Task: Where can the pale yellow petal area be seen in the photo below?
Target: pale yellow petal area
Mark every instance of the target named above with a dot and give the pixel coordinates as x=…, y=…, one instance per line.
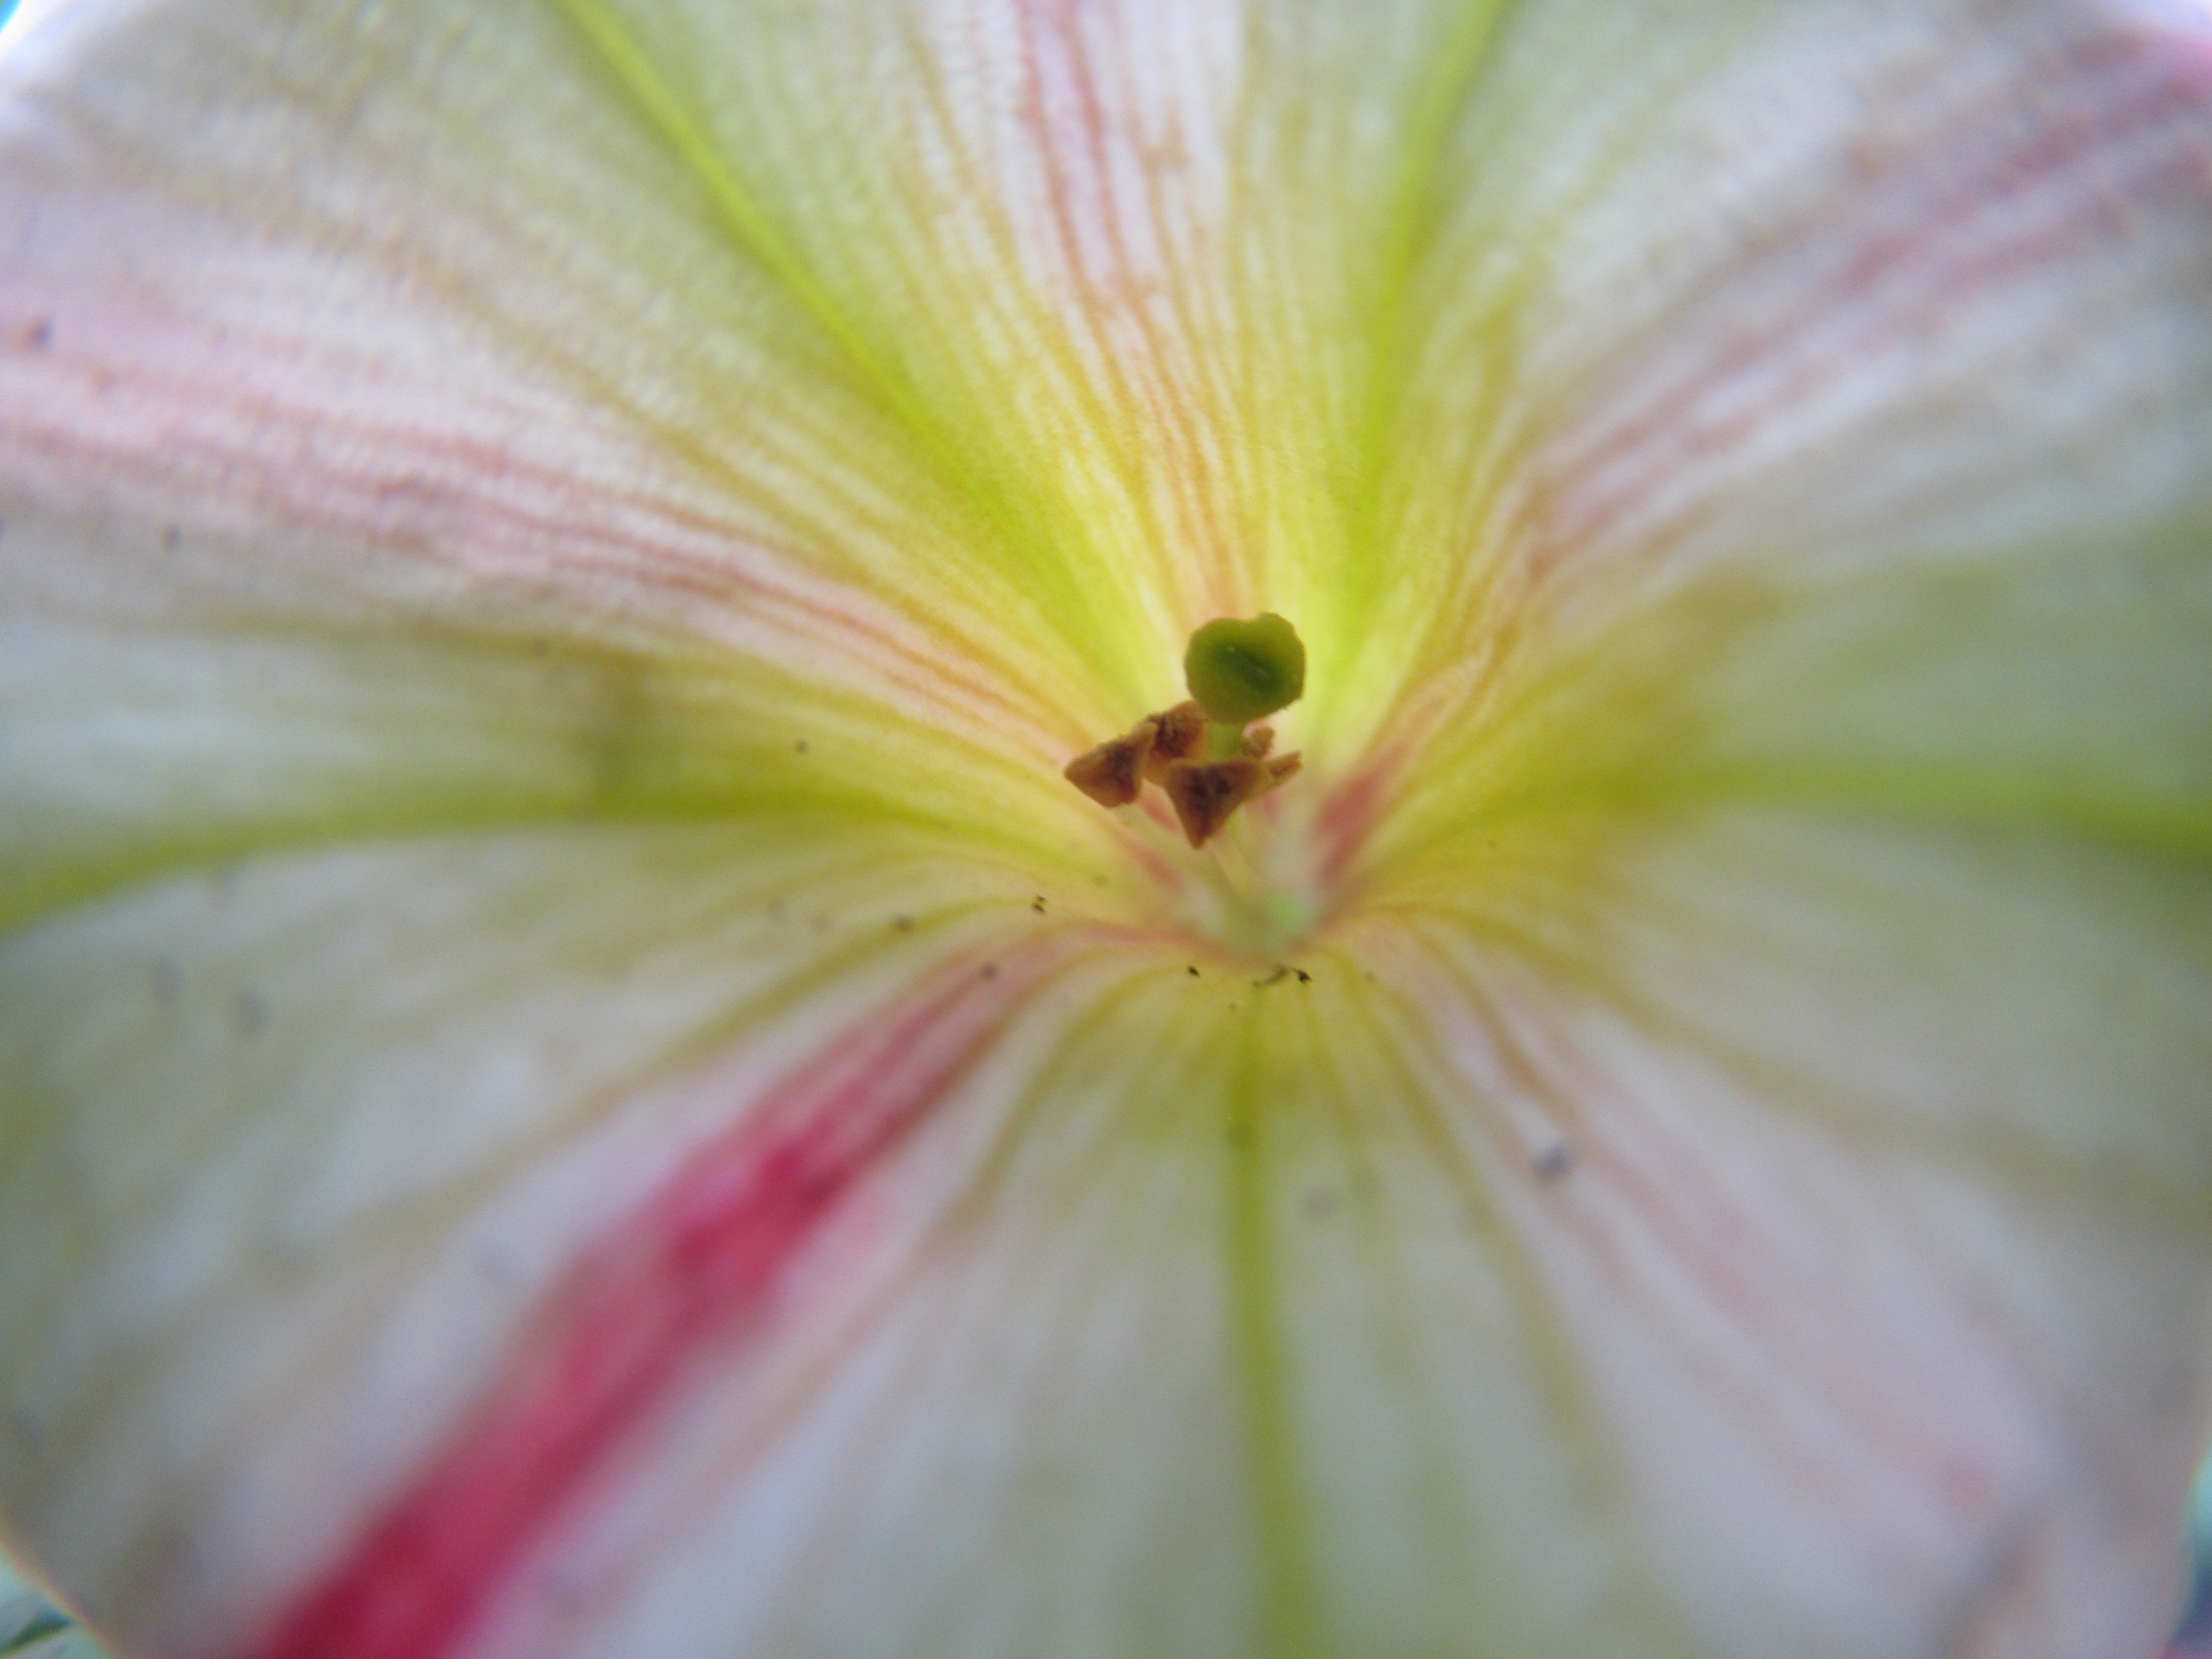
x=1818, y=390
x=1043, y=334
x=204, y=720
x=811, y=357
x=412, y=313
x=1130, y=262
x=2062, y=691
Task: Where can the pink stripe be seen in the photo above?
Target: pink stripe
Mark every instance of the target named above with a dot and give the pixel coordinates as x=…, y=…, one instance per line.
x=548, y=533
x=700, y=1262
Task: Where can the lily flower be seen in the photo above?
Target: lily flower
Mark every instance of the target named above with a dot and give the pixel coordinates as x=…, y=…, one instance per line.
x=575, y=1078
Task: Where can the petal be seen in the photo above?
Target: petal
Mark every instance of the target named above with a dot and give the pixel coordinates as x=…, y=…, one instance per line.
x=282, y=1186
x=373, y=352
x=174, y=730
x=1130, y=258
x=975, y=311
x=1876, y=1162
x=1660, y=1227
x=1825, y=396
x=1456, y=1292
x=1820, y=793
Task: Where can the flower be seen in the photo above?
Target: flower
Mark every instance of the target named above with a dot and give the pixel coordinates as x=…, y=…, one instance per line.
x=577, y=1081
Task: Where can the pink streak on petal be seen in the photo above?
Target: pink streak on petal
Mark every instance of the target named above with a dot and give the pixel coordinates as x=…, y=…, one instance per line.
x=700, y=1264
x=1349, y=814
x=1117, y=242
x=263, y=423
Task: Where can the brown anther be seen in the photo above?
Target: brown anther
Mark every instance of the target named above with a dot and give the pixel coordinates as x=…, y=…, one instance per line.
x=1113, y=772
x=1205, y=793
x=1171, y=749
x=1178, y=734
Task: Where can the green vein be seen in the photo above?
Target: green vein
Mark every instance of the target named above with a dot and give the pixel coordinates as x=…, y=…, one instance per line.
x=990, y=497
x=592, y=735
x=1592, y=1459
x=1289, y=1620
x=2130, y=820
x=634, y=73
x=1407, y=214
x=1451, y=78
x=2125, y=820
x=1345, y=1036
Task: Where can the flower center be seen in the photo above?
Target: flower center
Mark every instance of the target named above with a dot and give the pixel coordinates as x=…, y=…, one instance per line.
x=1207, y=754
x=1209, y=757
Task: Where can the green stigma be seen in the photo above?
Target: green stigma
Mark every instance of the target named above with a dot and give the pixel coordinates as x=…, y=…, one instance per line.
x=1241, y=670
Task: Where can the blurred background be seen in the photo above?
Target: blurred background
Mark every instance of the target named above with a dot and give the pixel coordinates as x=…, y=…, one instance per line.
x=2194, y=1640
x=30, y=1628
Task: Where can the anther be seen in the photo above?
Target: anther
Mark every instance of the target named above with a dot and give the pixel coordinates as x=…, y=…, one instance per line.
x=1204, y=753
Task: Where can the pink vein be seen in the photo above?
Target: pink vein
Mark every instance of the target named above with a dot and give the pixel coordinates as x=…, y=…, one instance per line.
x=2008, y=211
x=699, y=1263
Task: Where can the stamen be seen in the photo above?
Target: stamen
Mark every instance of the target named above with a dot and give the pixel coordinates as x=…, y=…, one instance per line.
x=1176, y=735
x=1201, y=752
x=1204, y=794
x=1114, y=772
